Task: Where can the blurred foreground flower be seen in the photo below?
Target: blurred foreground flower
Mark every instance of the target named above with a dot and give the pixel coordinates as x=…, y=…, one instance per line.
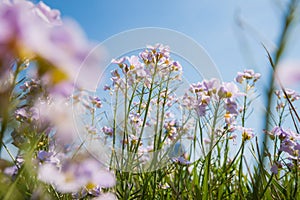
x=288, y=72
x=71, y=175
x=36, y=32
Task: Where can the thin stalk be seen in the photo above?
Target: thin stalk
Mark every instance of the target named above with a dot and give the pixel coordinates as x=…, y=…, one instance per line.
x=147, y=107
x=243, y=142
x=205, y=181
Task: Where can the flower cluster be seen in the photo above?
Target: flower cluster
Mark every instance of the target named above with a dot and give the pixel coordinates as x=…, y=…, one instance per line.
x=154, y=60
x=289, y=144
x=209, y=98
x=284, y=96
x=206, y=92
x=247, y=74
x=81, y=174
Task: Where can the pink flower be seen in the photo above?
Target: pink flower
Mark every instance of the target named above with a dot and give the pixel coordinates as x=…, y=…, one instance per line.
x=229, y=90
x=51, y=16
x=106, y=196
x=231, y=106
x=274, y=169
x=248, y=74
x=75, y=174
x=107, y=130
x=288, y=72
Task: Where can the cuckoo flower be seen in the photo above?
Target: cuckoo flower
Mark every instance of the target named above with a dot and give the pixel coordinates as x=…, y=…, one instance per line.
x=107, y=130
x=288, y=141
x=76, y=173
x=248, y=74
x=229, y=90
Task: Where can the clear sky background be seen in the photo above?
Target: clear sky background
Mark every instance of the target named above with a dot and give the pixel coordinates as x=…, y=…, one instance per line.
x=214, y=24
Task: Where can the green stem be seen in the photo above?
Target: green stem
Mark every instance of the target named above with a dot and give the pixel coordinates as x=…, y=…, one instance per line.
x=205, y=182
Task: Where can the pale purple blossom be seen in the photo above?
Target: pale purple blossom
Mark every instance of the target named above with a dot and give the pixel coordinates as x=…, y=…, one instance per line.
x=75, y=174
x=196, y=87
x=91, y=129
x=176, y=66
x=134, y=62
x=57, y=113
x=210, y=86
x=288, y=142
x=275, y=167
x=51, y=16
x=106, y=196
x=96, y=101
x=26, y=114
x=107, y=130
x=181, y=160
x=171, y=129
x=106, y=87
x=120, y=61
x=229, y=118
x=135, y=119
x=231, y=106
x=188, y=101
x=229, y=90
x=248, y=74
x=44, y=155
x=288, y=72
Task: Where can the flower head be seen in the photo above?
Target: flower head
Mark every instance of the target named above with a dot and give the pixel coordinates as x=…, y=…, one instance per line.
x=229, y=90
x=75, y=174
x=248, y=74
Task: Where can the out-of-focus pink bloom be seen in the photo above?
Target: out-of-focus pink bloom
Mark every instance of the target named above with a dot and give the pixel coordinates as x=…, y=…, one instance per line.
x=46, y=13
x=106, y=196
x=35, y=31
x=288, y=72
x=75, y=174
x=59, y=115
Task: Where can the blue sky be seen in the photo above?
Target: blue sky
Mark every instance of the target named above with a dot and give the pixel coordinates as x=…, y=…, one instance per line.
x=213, y=24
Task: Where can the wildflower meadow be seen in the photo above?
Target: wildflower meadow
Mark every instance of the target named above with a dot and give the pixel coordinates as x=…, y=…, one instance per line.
x=138, y=128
